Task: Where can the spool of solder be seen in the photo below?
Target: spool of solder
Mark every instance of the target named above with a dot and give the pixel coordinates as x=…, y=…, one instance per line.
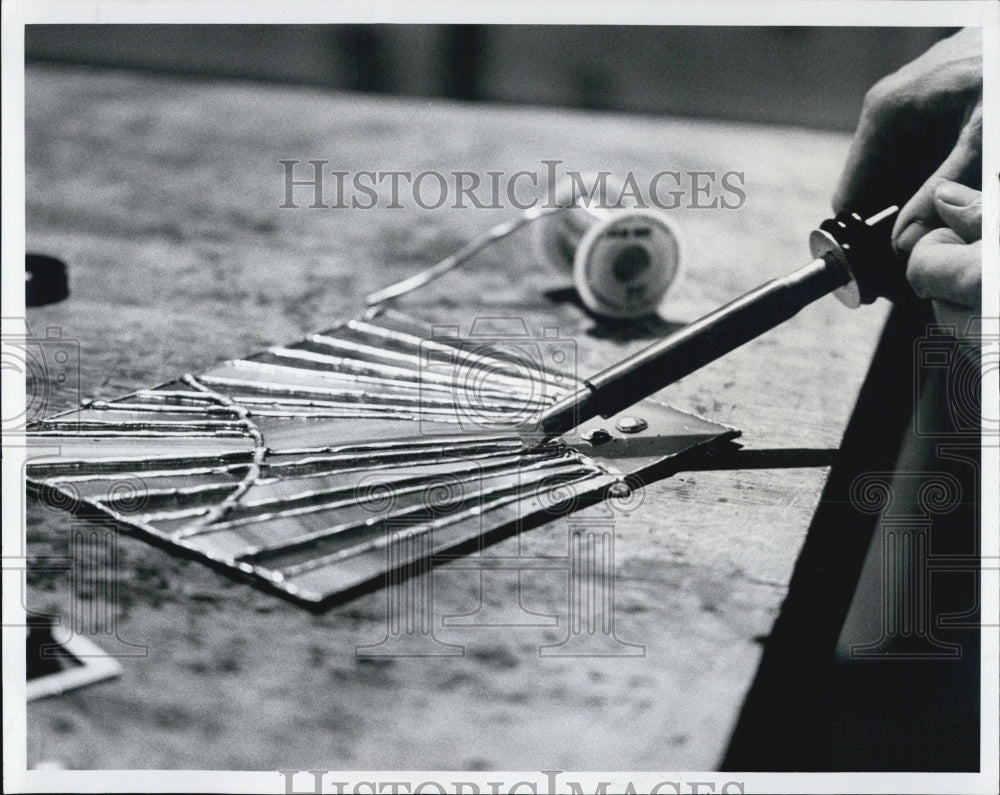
x=622, y=260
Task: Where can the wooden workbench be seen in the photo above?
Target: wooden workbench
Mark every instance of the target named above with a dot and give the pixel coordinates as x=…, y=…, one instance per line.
x=163, y=197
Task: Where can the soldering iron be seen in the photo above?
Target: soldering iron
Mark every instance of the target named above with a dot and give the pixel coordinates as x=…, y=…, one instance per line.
x=853, y=259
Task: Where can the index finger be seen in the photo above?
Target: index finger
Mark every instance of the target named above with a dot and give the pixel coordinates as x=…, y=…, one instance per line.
x=892, y=153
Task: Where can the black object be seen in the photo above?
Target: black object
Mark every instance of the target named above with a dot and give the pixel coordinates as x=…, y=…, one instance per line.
x=809, y=711
x=866, y=251
x=853, y=259
x=45, y=280
x=45, y=655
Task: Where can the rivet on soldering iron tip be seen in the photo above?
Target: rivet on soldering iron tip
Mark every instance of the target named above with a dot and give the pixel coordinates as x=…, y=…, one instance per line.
x=596, y=436
x=631, y=424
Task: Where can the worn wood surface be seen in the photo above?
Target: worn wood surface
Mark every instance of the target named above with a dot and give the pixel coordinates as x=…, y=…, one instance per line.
x=163, y=197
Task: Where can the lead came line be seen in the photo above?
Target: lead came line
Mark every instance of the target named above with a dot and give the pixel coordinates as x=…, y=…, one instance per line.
x=162, y=473
x=487, y=504
x=501, y=369
x=432, y=344
x=525, y=387
x=414, y=485
x=328, y=375
x=485, y=397
x=211, y=426
x=141, y=433
x=259, y=452
x=421, y=529
x=395, y=461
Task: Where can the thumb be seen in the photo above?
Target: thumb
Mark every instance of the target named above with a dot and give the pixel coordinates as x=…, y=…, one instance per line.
x=961, y=208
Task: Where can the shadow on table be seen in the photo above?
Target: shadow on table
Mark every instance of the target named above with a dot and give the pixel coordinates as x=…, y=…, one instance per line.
x=650, y=326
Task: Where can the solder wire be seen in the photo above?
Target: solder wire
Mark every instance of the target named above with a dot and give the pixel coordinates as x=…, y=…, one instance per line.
x=464, y=254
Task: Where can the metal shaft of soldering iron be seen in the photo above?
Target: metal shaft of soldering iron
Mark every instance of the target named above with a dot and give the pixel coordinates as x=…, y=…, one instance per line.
x=717, y=333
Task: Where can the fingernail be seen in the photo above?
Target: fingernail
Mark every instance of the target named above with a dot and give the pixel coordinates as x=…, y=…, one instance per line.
x=907, y=239
x=956, y=194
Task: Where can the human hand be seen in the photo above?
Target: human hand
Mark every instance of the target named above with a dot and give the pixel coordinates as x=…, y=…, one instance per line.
x=945, y=264
x=919, y=126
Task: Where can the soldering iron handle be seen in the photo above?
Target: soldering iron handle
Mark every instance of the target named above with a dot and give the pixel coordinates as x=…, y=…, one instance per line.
x=864, y=247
